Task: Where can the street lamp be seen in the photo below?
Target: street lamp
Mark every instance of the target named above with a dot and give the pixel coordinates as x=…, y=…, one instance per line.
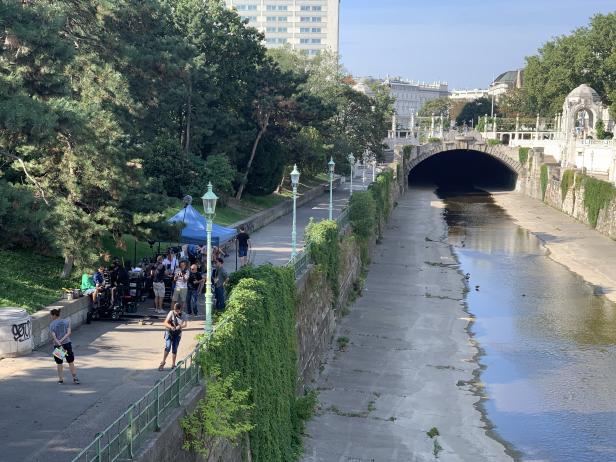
x=374, y=169
x=209, y=206
x=331, y=164
x=352, y=162
x=294, y=182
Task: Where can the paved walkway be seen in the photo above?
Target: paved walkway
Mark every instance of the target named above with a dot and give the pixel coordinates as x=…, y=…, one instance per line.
x=117, y=363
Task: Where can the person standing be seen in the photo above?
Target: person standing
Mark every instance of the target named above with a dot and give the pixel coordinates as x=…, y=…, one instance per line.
x=195, y=286
x=243, y=244
x=158, y=284
x=220, y=278
x=174, y=323
x=181, y=285
x=60, y=331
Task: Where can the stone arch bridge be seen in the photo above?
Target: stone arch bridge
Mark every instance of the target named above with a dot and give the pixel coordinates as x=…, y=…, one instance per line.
x=506, y=155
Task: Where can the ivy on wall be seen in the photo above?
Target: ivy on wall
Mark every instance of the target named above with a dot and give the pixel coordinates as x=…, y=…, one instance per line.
x=523, y=155
x=597, y=195
x=380, y=190
x=544, y=180
x=255, y=342
x=566, y=181
x=323, y=237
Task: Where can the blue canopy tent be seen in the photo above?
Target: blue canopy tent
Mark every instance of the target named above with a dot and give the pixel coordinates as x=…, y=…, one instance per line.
x=194, y=229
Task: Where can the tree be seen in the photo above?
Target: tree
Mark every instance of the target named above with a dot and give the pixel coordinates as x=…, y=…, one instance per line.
x=439, y=106
x=587, y=55
x=473, y=110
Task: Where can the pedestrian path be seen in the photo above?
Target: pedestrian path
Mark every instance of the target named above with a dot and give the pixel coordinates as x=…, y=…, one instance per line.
x=116, y=362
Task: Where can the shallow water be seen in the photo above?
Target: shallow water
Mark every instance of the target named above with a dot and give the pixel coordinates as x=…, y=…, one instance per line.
x=549, y=342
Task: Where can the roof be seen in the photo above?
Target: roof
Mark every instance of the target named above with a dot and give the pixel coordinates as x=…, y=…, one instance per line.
x=586, y=92
x=509, y=77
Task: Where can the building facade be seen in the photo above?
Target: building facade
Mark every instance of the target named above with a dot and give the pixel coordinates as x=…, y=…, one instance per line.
x=309, y=26
x=468, y=95
x=409, y=96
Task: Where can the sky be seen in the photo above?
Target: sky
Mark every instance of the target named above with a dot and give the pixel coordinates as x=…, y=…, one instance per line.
x=461, y=42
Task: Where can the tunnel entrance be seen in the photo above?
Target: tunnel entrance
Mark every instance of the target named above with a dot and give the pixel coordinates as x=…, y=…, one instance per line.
x=463, y=169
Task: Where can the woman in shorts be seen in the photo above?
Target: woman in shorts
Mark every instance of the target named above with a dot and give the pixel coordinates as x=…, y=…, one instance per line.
x=60, y=331
x=174, y=323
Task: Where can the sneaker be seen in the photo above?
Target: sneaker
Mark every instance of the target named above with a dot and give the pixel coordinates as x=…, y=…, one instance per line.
x=76, y=380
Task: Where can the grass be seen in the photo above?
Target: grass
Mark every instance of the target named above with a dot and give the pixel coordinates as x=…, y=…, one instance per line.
x=31, y=281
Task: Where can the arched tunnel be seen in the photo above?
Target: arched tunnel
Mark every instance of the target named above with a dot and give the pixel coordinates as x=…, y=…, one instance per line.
x=461, y=169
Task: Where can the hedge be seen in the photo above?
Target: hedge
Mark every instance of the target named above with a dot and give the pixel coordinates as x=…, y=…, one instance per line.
x=323, y=237
x=597, y=195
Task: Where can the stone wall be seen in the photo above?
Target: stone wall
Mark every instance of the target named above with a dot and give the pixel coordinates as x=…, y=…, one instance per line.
x=76, y=310
x=572, y=203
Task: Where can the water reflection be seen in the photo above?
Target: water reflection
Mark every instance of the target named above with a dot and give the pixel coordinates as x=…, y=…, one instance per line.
x=549, y=342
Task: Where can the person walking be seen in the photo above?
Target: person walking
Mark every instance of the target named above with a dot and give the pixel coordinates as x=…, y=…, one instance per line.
x=220, y=278
x=60, y=331
x=243, y=244
x=158, y=284
x=174, y=323
x=195, y=286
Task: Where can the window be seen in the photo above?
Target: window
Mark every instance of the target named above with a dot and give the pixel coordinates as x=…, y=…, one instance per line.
x=270, y=7
x=304, y=40
x=282, y=40
x=270, y=29
x=316, y=19
x=271, y=19
x=316, y=41
x=316, y=8
x=240, y=7
x=316, y=30
x=276, y=7
x=282, y=29
x=313, y=52
x=282, y=8
x=304, y=19
x=304, y=30
x=282, y=18
x=252, y=7
x=249, y=18
x=305, y=8
x=270, y=40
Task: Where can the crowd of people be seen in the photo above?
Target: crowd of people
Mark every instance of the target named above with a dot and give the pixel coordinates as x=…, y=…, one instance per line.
x=177, y=276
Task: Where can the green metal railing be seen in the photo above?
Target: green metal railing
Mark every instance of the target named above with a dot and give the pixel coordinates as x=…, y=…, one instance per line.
x=120, y=439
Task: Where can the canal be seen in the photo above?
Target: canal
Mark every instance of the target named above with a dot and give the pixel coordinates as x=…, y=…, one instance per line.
x=547, y=340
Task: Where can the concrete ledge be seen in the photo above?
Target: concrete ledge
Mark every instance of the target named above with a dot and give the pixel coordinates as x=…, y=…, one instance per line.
x=76, y=310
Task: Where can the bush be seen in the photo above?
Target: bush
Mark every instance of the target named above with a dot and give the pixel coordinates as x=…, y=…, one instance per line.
x=322, y=237
x=362, y=214
x=255, y=342
x=492, y=142
x=566, y=182
x=523, y=155
x=434, y=139
x=544, y=180
x=380, y=190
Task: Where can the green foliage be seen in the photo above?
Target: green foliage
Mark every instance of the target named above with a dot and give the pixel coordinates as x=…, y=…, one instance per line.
x=566, y=181
x=323, y=237
x=342, y=342
x=563, y=63
x=600, y=130
x=406, y=152
x=439, y=106
x=362, y=214
x=597, y=195
x=256, y=340
x=544, y=180
x=495, y=142
x=223, y=415
x=434, y=139
x=523, y=155
x=433, y=432
x=473, y=110
x=31, y=280
x=381, y=190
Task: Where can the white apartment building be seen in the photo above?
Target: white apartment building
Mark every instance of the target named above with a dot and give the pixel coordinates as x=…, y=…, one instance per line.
x=409, y=95
x=309, y=26
x=468, y=95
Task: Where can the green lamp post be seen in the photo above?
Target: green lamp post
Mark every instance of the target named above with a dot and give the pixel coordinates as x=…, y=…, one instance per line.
x=209, y=206
x=352, y=162
x=331, y=164
x=294, y=182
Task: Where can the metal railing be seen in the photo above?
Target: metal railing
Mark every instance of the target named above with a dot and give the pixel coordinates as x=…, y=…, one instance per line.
x=343, y=219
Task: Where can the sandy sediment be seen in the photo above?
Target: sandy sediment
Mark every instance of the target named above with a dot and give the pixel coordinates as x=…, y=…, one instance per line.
x=410, y=363
x=571, y=243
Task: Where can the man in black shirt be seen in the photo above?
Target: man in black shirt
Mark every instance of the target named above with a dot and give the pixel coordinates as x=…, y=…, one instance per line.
x=158, y=284
x=119, y=281
x=243, y=242
x=195, y=286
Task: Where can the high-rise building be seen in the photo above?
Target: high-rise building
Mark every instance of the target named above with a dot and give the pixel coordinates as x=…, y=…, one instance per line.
x=309, y=26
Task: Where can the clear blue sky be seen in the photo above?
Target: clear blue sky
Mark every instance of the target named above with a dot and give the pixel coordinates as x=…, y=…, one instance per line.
x=462, y=42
